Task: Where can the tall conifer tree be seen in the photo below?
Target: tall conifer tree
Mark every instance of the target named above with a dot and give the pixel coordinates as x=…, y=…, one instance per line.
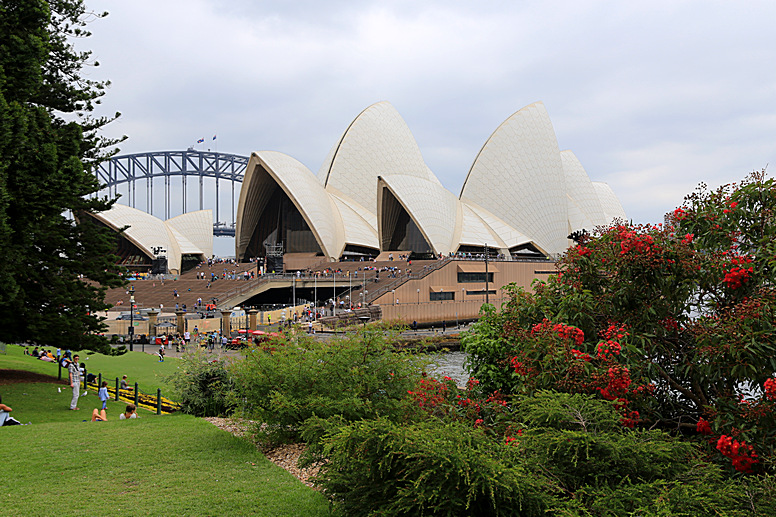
x=53, y=271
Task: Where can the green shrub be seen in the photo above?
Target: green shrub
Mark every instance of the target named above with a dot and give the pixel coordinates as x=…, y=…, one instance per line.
x=295, y=377
x=203, y=385
x=429, y=468
x=563, y=454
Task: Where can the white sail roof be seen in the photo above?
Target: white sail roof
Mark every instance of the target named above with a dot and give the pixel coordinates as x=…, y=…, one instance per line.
x=177, y=237
x=518, y=174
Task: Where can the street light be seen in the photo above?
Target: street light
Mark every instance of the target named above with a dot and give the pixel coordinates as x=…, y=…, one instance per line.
x=131, y=331
x=418, y=296
x=393, y=295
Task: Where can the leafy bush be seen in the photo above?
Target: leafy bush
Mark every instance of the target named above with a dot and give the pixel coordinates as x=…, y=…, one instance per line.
x=674, y=323
x=570, y=457
x=203, y=385
x=380, y=468
x=296, y=377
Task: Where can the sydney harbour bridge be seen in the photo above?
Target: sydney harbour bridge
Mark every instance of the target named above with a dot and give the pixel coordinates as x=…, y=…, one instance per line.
x=171, y=171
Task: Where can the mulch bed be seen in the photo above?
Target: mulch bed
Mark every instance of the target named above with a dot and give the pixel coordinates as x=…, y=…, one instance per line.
x=20, y=376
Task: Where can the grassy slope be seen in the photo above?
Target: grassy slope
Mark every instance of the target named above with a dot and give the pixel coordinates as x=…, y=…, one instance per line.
x=142, y=368
x=171, y=465
x=42, y=403
x=155, y=465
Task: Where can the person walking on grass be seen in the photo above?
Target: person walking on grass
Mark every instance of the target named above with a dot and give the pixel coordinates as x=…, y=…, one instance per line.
x=103, y=394
x=75, y=381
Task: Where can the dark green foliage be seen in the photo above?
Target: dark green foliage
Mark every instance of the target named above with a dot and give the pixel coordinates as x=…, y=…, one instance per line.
x=379, y=468
x=571, y=458
x=202, y=385
x=295, y=377
x=54, y=272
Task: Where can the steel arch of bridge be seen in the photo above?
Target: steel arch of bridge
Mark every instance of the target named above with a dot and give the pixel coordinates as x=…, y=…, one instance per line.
x=130, y=168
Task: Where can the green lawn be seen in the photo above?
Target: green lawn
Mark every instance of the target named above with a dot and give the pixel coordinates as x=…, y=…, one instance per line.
x=139, y=367
x=42, y=403
x=169, y=465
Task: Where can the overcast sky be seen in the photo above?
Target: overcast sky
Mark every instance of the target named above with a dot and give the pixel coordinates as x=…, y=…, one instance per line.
x=653, y=97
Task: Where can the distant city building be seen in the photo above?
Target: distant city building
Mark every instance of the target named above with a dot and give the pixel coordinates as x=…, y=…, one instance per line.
x=375, y=194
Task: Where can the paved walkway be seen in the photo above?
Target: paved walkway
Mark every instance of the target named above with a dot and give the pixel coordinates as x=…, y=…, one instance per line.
x=218, y=352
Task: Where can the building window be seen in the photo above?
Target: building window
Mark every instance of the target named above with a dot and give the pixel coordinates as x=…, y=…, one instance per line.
x=473, y=278
x=481, y=292
x=438, y=297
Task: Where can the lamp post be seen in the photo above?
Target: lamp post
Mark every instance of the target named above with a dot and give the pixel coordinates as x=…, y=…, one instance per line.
x=315, y=295
x=131, y=331
x=418, y=296
x=334, y=299
x=393, y=295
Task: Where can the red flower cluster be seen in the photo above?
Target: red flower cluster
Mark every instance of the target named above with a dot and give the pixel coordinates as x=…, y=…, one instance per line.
x=511, y=440
x=670, y=324
x=770, y=389
x=608, y=348
x=741, y=455
x=614, y=331
x=687, y=239
x=619, y=382
x=733, y=206
x=739, y=273
x=583, y=251
x=703, y=427
x=631, y=241
x=582, y=356
x=430, y=393
x=630, y=419
x=518, y=366
x=563, y=331
x=680, y=214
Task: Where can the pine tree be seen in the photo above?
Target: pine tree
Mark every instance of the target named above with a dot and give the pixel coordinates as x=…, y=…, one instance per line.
x=53, y=271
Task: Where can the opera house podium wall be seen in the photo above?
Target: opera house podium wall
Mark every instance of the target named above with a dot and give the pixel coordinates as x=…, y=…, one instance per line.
x=456, y=290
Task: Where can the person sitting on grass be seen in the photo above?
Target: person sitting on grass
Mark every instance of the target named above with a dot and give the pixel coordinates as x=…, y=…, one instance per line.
x=124, y=385
x=130, y=412
x=99, y=416
x=5, y=415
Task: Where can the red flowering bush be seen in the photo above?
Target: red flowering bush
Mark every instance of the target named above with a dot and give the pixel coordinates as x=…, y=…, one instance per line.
x=673, y=322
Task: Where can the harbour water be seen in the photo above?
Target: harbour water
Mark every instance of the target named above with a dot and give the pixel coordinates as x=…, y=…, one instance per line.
x=450, y=364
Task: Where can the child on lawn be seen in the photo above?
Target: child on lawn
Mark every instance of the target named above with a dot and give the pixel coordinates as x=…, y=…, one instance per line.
x=103, y=394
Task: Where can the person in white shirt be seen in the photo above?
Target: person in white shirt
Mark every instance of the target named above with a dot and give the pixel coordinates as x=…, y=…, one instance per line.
x=131, y=412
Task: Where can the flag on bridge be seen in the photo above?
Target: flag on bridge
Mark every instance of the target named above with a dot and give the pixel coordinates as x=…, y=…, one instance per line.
x=201, y=140
x=214, y=137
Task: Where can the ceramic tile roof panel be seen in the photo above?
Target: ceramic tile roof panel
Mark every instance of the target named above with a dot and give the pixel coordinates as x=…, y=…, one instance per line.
x=145, y=231
x=435, y=210
x=197, y=227
x=357, y=230
x=609, y=202
x=518, y=174
x=378, y=142
x=266, y=168
x=475, y=232
x=581, y=193
x=505, y=232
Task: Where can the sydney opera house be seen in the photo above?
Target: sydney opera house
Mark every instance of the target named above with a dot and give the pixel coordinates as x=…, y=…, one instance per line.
x=183, y=241
x=374, y=194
